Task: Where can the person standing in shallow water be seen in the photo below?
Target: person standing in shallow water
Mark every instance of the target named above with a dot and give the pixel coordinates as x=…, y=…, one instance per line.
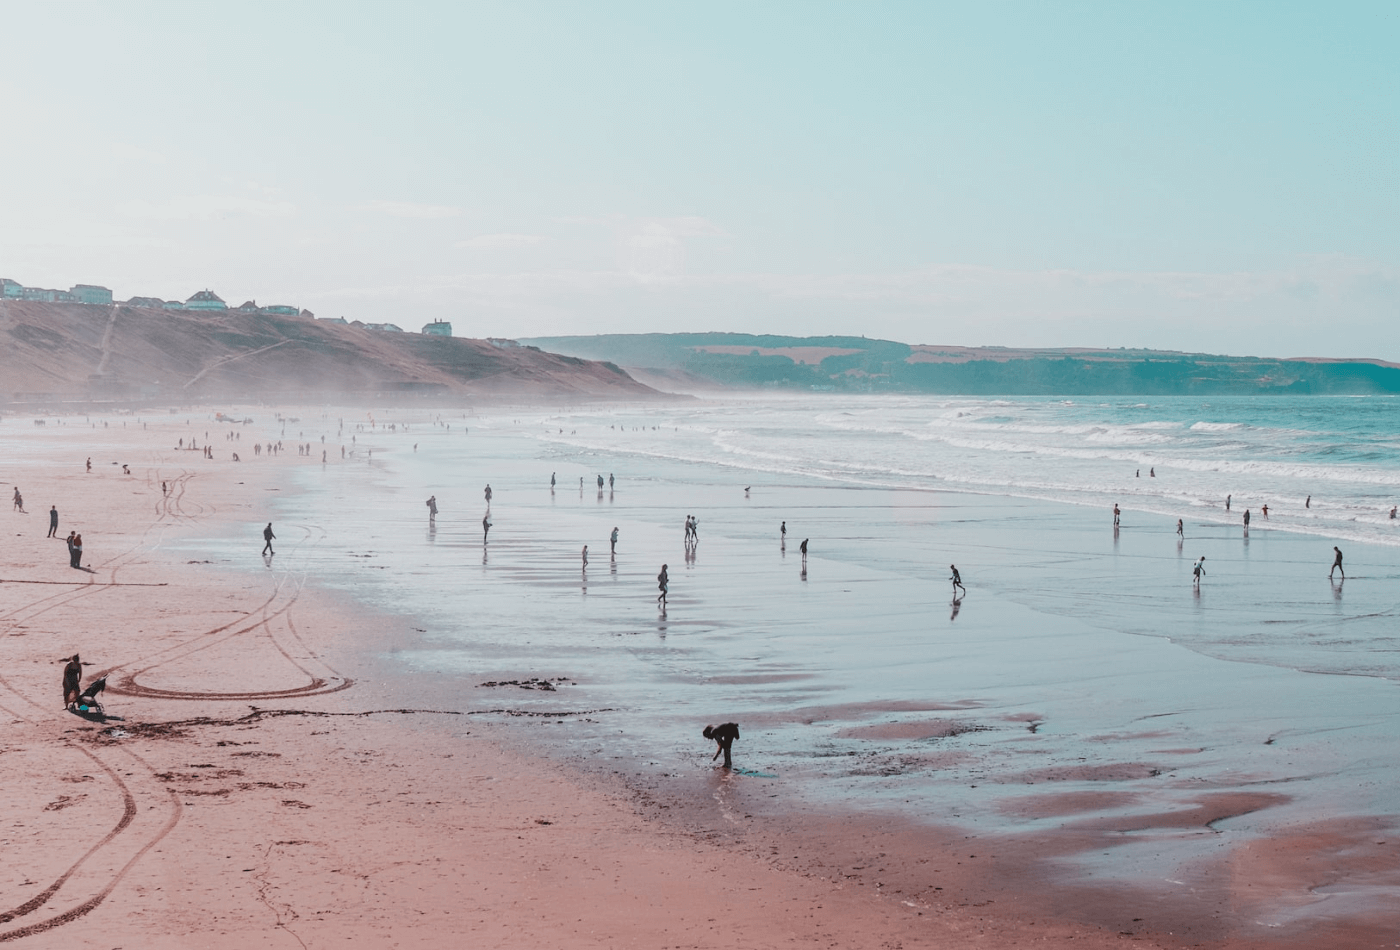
x=663, y=581
x=724, y=736
x=1198, y=571
x=485, y=526
x=1337, y=564
x=612, y=539
x=1116, y=514
x=1180, y=529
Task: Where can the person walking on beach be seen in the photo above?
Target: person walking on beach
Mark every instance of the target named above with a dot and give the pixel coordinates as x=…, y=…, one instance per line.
x=551, y=481
x=585, y=557
x=267, y=540
x=1227, y=502
x=782, y=534
x=432, y=507
x=600, y=483
x=1265, y=510
x=724, y=736
x=19, y=500
x=663, y=582
x=610, y=481
x=1246, y=519
x=1337, y=564
x=72, y=681
x=1180, y=529
x=485, y=526
x=53, y=521
x=803, y=548
x=89, y=461
x=612, y=539
x=1116, y=513
x=488, y=495
x=1198, y=571
x=956, y=579
x=78, y=551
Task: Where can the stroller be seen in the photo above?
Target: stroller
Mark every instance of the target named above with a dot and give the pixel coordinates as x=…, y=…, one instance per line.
x=87, y=699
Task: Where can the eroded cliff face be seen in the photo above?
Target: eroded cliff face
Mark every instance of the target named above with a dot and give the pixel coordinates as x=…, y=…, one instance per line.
x=115, y=352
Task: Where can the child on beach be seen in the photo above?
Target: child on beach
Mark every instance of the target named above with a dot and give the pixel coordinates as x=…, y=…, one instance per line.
x=724, y=736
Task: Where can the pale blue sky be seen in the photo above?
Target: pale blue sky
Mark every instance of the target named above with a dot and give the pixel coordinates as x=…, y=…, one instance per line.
x=1210, y=176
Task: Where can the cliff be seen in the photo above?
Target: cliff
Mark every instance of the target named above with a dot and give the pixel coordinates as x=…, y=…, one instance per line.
x=77, y=351
x=858, y=364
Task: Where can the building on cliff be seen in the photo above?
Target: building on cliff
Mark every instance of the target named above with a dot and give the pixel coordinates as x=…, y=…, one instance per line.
x=206, y=300
x=91, y=293
x=437, y=328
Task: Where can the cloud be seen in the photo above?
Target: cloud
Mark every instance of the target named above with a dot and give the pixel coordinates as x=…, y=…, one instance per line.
x=195, y=207
x=501, y=240
x=409, y=209
x=652, y=249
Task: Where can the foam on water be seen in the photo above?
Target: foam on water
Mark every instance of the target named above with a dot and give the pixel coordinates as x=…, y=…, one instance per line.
x=1260, y=451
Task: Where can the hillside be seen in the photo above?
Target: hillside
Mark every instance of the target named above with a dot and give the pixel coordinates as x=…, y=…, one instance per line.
x=77, y=351
x=857, y=364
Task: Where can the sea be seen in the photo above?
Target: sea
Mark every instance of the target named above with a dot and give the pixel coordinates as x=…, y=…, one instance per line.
x=1081, y=656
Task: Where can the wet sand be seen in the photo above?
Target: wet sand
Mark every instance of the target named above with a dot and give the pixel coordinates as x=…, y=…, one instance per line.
x=274, y=771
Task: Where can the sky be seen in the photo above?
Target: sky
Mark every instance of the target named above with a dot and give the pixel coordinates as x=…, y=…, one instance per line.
x=1217, y=177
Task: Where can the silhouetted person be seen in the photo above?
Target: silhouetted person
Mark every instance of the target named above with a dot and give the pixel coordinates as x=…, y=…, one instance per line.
x=1265, y=510
x=1180, y=529
x=1227, y=502
x=488, y=494
x=551, y=481
x=53, y=521
x=72, y=558
x=610, y=481
x=72, y=681
x=77, y=549
x=724, y=736
x=1337, y=564
x=1246, y=519
x=782, y=533
x=613, y=540
x=1308, y=503
x=803, y=548
x=485, y=526
x=1198, y=571
x=956, y=579
x=267, y=539
x=663, y=582
x=432, y=507
x=585, y=557
x=1116, y=513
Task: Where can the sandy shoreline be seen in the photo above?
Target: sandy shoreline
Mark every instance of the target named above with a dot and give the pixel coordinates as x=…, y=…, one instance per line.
x=271, y=781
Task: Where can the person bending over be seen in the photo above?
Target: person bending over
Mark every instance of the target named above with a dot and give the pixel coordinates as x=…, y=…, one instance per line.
x=724, y=736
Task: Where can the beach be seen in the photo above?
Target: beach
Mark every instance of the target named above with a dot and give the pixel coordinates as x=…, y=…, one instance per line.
x=395, y=733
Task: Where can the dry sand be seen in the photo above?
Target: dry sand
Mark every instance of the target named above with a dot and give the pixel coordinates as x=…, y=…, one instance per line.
x=260, y=783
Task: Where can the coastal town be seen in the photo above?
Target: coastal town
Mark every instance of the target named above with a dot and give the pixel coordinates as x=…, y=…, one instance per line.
x=206, y=300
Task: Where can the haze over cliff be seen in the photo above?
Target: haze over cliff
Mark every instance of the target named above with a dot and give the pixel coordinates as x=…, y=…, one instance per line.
x=74, y=351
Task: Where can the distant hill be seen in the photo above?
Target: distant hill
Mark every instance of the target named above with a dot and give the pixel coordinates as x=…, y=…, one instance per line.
x=858, y=364
x=63, y=352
